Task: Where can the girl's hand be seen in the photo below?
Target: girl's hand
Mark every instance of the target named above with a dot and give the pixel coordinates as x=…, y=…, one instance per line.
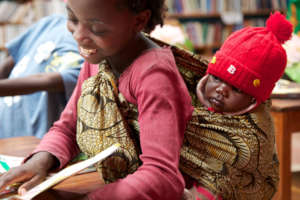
x=30, y=174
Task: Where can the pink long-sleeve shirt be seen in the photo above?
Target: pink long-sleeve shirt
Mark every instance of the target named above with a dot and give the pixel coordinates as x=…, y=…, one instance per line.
x=153, y=83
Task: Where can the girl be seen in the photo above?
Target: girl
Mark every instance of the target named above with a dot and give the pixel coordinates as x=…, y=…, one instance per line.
x=118, y=57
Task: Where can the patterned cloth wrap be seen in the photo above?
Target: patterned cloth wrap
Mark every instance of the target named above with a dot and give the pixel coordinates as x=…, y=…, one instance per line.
x=231, y=156
x=101, y=123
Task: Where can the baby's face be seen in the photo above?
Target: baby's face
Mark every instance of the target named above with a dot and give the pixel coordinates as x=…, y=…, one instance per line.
x=223, y=97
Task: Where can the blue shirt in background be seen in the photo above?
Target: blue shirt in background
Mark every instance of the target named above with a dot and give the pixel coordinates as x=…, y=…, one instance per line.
x=46, y=46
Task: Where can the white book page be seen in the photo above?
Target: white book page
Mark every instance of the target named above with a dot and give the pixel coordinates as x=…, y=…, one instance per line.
x=9, y=161
x=67, y=172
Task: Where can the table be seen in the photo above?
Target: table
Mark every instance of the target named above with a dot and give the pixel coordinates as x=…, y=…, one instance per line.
x=78, y=184
x=286, y=115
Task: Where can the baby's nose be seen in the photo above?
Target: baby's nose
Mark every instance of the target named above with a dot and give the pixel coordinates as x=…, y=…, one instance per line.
x=223, y=89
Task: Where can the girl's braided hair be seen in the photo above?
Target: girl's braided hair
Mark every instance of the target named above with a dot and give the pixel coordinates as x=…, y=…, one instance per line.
x=157, y=8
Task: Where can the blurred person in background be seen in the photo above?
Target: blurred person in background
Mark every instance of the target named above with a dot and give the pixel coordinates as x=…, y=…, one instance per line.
x=37, y=78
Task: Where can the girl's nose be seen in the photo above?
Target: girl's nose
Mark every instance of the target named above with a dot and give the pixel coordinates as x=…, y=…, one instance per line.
x=223, y=89
x=80, y=33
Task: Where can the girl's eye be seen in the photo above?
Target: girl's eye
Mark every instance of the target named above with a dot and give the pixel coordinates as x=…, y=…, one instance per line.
x=71, y=17
x=73, y=20
x=97, y=31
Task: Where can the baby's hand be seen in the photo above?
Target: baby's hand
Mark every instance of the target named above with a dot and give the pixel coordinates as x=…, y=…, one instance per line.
x=187, y=195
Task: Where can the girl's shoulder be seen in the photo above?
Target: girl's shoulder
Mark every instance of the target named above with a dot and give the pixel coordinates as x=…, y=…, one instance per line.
x=149, y=59
x=156, y=57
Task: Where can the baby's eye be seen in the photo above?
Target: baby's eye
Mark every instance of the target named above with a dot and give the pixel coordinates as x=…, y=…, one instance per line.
x=215, y=78
x=237, y=90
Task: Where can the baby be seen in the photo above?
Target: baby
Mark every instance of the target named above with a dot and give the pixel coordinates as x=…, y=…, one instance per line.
x=229, y=145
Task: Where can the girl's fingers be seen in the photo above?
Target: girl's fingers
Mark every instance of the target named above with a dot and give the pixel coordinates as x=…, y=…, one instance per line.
x=30, y=184
x=13, y=176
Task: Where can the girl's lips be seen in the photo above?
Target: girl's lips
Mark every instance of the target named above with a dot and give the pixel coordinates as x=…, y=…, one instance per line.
x=87, y=52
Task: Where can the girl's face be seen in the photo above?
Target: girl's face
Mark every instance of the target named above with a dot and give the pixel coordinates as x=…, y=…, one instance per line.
x=225, y=98
x=101, y=28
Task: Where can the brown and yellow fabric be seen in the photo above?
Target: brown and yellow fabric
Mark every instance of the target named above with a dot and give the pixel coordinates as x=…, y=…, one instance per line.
x=101, y=123
x=232, y=156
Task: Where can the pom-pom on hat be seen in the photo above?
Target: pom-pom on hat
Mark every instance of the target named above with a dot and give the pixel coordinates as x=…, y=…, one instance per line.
x=252, y=59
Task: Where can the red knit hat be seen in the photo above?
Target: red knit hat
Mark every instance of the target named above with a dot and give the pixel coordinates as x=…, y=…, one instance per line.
x=252, y=59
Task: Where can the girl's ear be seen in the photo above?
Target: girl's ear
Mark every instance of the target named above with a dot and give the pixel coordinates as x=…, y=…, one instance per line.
x=141, y=20
x=200, y=91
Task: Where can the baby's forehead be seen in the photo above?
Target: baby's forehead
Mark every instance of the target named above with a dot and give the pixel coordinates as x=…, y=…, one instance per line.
x=214, y=77
x=219, y=78
x=226, y=82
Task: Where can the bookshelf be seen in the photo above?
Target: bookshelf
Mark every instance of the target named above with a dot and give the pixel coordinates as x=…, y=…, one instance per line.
x=20, y=14
x=205, y=24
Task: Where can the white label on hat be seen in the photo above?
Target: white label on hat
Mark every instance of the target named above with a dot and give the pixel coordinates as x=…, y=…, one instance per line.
x=231, y=69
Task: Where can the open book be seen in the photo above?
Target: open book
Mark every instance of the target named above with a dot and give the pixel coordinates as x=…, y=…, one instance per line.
x=67, y=172
x=7, y=162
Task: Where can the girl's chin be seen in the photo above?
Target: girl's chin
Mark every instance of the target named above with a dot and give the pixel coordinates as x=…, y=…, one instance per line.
x=93, y=60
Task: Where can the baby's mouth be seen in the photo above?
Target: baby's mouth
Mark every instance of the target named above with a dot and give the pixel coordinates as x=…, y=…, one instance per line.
x=87, y=52
x=216, y=102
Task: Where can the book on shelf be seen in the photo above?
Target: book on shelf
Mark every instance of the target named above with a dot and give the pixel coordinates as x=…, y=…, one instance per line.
x=44, y=8
x=15, y=12
x=217, y=6
x=7, y=7
x=203, y=34
x=208, y=23
x=21, y=13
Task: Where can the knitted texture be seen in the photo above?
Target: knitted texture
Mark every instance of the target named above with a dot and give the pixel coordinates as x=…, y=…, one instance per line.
x=253, y=59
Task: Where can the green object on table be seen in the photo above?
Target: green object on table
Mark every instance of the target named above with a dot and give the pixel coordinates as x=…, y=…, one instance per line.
x=293, y=72
x=80, y=157
x=4, y=165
